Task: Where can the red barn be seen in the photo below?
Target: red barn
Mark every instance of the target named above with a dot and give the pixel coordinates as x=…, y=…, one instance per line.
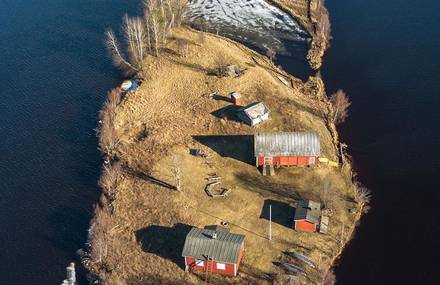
x=286, y=149
x=307, y=216
x=213, y=250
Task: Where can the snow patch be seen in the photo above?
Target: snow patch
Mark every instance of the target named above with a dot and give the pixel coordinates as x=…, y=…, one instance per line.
x=254, y=21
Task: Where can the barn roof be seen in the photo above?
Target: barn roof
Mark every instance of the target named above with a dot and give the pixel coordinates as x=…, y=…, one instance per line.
x=287, y=144
x=225, y=247
x=308, y=210
x=255, y=110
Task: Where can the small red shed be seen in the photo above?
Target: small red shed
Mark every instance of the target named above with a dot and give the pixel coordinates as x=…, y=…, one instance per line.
x=307, y=216
x=236, y=98
x=286, y=148
x=213, y=250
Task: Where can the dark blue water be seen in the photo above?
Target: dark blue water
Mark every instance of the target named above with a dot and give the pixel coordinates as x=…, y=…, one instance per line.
x=54, y=74
x=386, y=55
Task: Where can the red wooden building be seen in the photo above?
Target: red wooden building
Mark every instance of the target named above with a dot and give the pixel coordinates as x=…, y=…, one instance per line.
x=307, y=216
x=213, y=250
x=286, y=149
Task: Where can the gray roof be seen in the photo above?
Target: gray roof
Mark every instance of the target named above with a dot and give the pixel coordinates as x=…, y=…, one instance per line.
x=287, y=144
x=255, y=110
x=224, y=248
x=308, y=210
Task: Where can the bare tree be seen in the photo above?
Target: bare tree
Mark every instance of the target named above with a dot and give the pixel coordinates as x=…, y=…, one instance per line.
x=330, y=278
x=97, y=236
x=221, y=64
x=362, y=196
x=113, y=99
x=136, y=39
x=340, y=103
x=271, y=54
x=108, y=138
x=119, y=58
x=161, y=16
x=109, y=176
x=176, y=171
x=183, y=46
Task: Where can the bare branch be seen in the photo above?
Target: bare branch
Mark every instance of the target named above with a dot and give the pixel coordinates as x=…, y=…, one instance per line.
x=116, y=54
x=340, y=103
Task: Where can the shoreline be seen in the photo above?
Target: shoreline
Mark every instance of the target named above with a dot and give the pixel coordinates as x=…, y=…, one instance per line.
x=317, y=83
x=309, y=21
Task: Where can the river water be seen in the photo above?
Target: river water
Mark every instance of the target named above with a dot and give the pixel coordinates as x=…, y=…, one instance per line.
x=54, y=73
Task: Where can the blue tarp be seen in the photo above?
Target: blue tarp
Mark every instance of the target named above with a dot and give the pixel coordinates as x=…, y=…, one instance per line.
x=134, y=86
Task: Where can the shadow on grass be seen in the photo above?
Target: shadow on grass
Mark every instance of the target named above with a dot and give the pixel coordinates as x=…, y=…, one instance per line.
x=282, y=212
x=239, y=147
x=246, y=275
x=164, y=241
x=141, y=175
x=267, y=187
x=155, y=280
x=221, y=98
x=194, y=66
x=229, y=113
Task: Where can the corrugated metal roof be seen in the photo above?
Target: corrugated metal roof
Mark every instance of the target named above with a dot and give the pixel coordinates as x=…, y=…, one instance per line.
x=287, y=144
x=308, y=210
x=255, y=110
x=224, y=248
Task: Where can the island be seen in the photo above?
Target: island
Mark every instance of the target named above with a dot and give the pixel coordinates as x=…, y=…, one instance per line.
x=211, y=145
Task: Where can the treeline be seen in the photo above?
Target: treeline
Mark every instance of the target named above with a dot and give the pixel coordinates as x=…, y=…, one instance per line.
x=322, y=26
x=142, y=36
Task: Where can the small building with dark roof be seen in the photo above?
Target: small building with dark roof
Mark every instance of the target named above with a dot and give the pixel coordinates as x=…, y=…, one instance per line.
x=286, y=148
x=307, y=216
x=213, y=250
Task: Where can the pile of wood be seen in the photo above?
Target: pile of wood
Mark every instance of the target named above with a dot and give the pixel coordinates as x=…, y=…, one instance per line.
x=211, y=189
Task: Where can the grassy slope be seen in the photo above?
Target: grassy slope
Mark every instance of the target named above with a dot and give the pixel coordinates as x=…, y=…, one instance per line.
x=145, y=232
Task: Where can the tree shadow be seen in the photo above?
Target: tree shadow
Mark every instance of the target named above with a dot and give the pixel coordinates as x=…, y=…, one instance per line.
x=152, y=279
x=229, y=113
x=169, y=51
x=267, y=187
x=164, y=241
x=141, y=175
x=219, y=97
x=282, y=212
x=239, y=147
x=194, y=66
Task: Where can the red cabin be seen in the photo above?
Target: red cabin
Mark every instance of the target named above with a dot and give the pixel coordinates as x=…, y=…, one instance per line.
x=286, y=149
x=307, y=216
x=213, y=250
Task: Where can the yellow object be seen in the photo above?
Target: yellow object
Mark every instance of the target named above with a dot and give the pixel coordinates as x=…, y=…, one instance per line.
x=323, y=159
x=333, y=163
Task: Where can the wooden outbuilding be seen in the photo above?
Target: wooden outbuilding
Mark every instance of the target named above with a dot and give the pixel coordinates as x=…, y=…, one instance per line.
x=307, y=216
x=213, y=250
x=236, y=98
x=286, y=149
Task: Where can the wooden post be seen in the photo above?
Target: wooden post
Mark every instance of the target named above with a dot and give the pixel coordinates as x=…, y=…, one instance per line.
x=270, y=222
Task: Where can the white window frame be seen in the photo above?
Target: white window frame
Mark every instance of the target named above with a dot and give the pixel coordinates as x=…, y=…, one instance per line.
x=221, y=266
x=200, y=262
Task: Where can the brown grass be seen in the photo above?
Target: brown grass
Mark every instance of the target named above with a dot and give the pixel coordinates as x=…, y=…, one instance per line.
x=146, y=227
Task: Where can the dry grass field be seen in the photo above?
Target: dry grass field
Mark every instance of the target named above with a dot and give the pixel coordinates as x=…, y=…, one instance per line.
x=139, y=235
